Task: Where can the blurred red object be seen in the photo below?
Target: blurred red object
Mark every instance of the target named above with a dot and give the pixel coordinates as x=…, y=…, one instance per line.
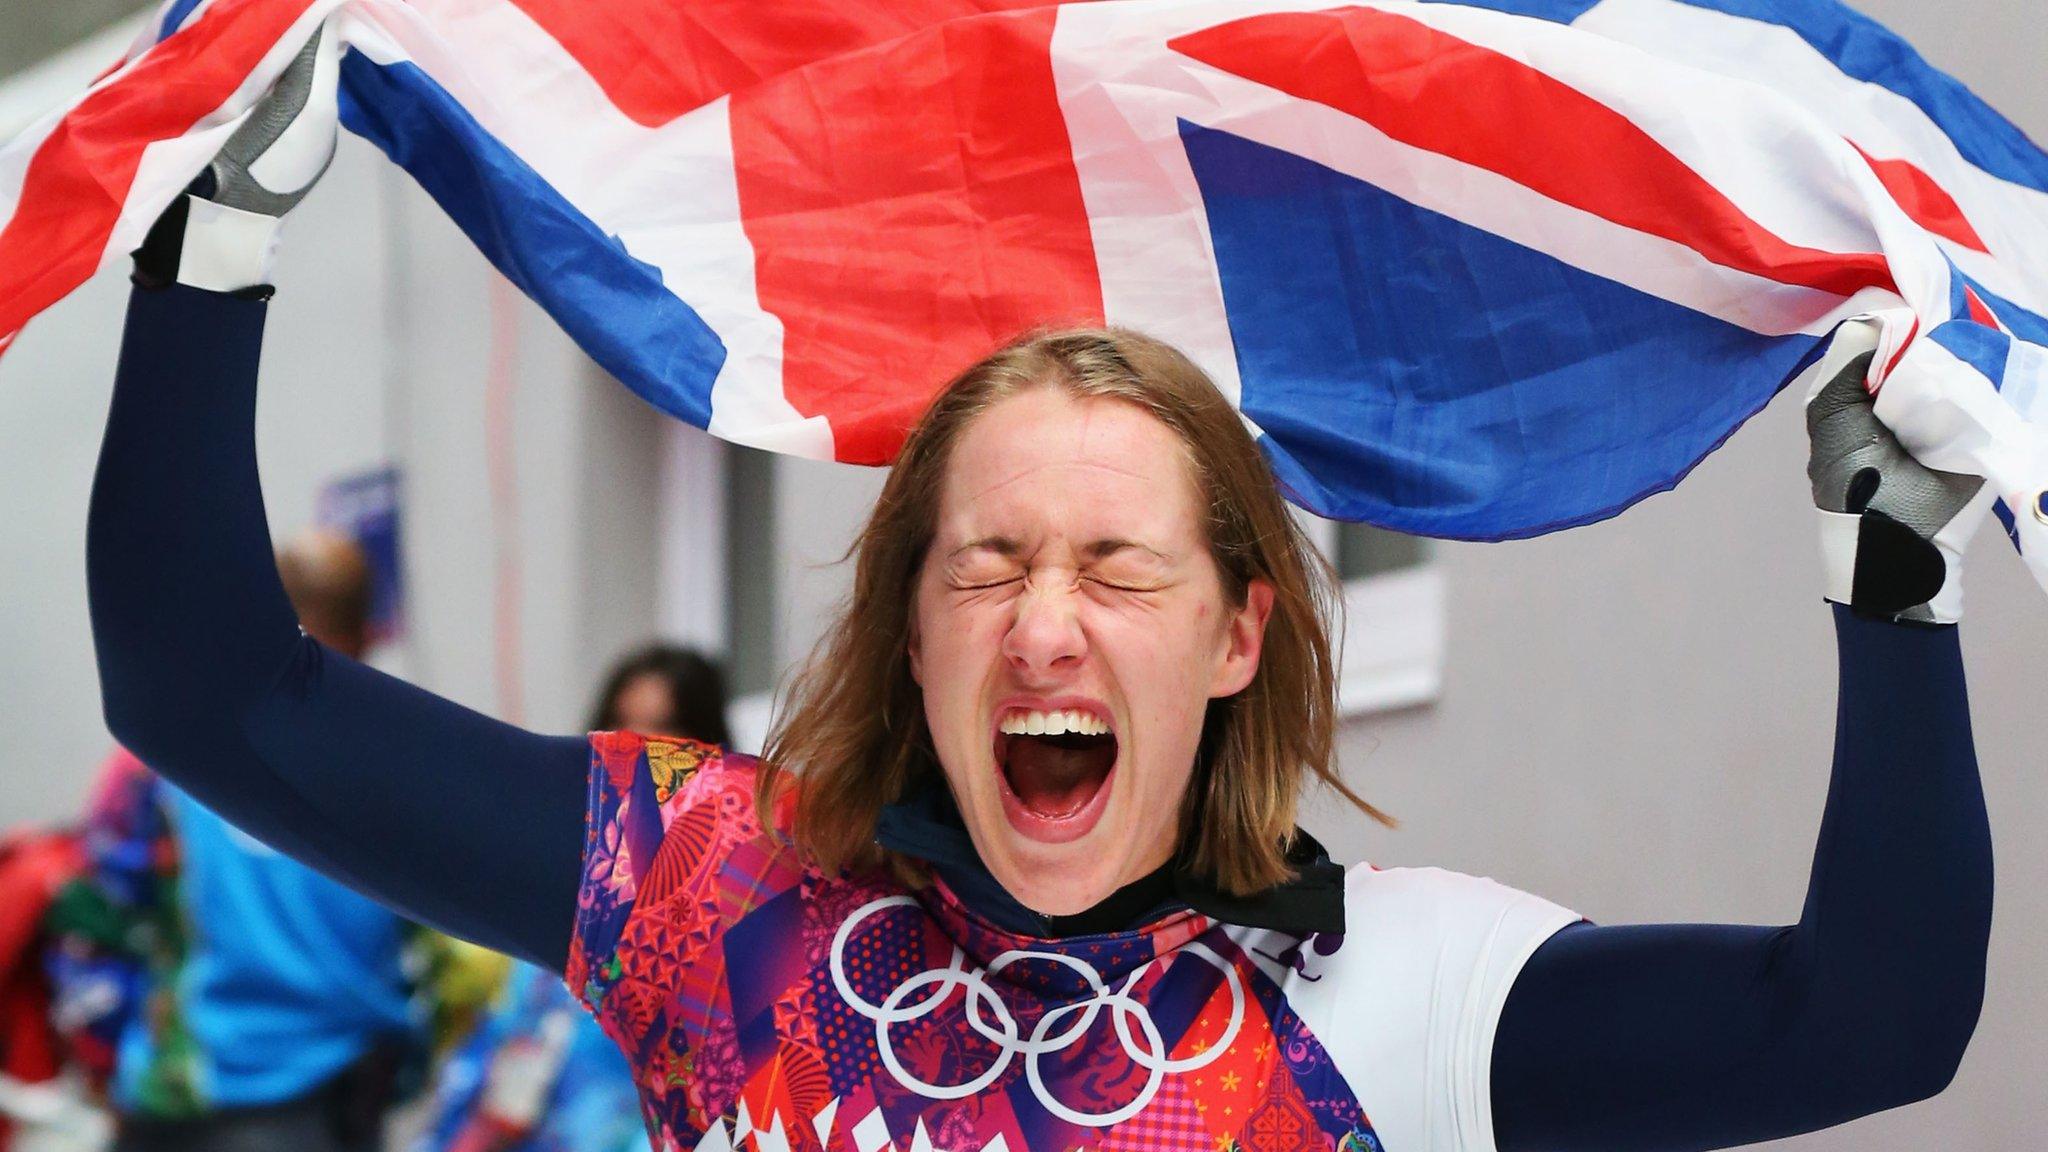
x=34, y=864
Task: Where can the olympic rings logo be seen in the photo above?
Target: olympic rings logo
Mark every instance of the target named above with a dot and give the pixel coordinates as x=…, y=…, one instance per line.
x=991, y=1019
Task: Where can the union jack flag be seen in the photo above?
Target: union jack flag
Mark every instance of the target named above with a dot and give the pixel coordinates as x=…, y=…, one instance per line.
x=1477, y=271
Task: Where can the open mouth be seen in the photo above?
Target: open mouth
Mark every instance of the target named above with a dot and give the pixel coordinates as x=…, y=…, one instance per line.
x=1055, y=765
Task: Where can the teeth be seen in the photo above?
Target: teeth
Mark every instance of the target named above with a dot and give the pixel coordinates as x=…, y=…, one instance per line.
x=1056, y=723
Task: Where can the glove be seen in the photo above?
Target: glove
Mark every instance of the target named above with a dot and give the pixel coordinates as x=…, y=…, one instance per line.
x=1892, y=530
x=220, y=234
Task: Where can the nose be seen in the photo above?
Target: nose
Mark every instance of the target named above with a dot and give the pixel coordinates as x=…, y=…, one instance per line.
x=1046, y=634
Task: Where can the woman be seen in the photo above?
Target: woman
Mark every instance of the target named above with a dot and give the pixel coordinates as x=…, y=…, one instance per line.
x=1039, y=886
x=663, y=689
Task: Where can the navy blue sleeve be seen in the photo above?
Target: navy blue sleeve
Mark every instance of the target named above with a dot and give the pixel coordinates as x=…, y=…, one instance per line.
x=1683, y=1036
x=455, y=819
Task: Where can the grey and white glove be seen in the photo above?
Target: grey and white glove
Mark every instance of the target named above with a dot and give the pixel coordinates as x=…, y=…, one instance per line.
x=221, y=233
x=1892, y=530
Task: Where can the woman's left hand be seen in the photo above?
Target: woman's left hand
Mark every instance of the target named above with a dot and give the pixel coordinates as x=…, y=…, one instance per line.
x=1892, y=529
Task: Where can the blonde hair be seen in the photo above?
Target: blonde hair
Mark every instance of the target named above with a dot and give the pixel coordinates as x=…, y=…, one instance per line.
x=854, y=727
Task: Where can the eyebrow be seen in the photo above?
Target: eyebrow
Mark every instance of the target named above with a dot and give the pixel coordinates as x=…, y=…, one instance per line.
x=1009, y=547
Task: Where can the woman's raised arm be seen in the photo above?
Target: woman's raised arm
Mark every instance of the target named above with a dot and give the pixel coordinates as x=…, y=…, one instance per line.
x=468, y=824
x=1686, y=1036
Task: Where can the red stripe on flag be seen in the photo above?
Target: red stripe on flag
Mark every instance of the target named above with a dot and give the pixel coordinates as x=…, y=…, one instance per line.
x=1925, y=201
x=78, y=180
x=1905, y=346
x=1979, y=311
x=1436, y=92
x=911, y=208
x=657, y=59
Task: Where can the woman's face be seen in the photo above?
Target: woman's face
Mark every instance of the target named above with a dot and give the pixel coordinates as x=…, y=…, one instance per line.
x=1069, y=631
x=644, y=705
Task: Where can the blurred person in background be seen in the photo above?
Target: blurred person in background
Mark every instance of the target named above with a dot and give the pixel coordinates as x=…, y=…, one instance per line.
x=663, y=690
x=540, y=1075
x=237, y=998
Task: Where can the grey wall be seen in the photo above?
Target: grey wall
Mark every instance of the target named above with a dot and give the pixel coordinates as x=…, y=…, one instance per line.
x=377, y=349
x=35, y=29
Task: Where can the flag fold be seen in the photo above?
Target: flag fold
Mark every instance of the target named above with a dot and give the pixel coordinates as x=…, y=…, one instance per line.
x=1467, y=272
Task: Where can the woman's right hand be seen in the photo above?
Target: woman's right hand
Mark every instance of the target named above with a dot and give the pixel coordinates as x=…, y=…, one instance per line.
x=221, y=234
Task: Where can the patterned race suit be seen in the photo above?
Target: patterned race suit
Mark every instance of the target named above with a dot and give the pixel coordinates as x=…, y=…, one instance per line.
x=765, y=1004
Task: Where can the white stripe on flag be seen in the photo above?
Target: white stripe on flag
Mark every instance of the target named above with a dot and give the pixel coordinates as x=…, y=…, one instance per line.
x=15, y=155
x=1767, y=155
x=669, y=194
x=2026, y=371
x=1125, y=87
x=1121, y=94
x=1950, y=416
x=169, y=165
x=2011, y=219
x=156, y=32
x=1498, y=204
x=46, y=88
x=708, y=260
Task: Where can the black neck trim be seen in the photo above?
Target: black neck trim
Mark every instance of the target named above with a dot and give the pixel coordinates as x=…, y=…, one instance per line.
x=926, y=825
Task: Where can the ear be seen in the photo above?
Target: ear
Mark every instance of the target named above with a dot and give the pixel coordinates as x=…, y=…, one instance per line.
x=1244, y=637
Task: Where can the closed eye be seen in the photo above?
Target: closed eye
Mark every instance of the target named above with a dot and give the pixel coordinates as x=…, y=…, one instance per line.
x=1119, y=586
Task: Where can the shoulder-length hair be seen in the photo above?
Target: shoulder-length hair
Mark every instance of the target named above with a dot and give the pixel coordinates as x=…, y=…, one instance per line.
x=696, y=693
x=854, y=731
